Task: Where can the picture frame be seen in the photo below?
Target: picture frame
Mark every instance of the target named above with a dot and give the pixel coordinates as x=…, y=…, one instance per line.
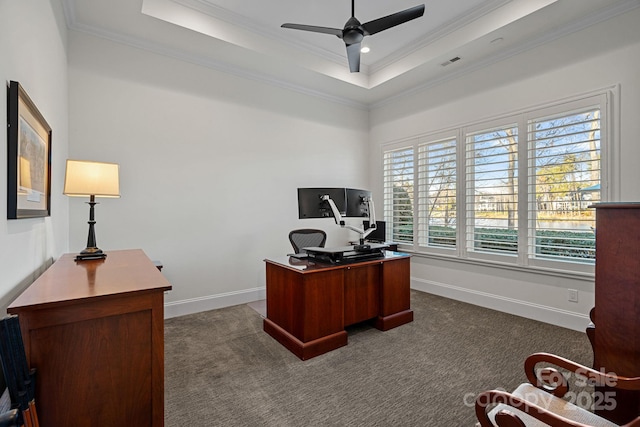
x=28, y=157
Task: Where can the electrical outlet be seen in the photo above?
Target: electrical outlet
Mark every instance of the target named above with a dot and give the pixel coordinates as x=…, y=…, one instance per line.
x=572, y=295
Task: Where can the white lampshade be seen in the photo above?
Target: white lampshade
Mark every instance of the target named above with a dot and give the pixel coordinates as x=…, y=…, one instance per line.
x=87, y=178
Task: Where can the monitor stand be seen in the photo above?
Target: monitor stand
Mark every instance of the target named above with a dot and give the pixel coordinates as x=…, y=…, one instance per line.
x=345, y=254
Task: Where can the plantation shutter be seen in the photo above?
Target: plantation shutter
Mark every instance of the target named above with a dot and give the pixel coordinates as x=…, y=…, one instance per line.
x=492, y=190
x=398, y=176
x=437, y=194
x=565, y=175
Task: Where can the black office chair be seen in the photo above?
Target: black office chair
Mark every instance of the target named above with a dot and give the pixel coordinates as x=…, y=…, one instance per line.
x=307, y=237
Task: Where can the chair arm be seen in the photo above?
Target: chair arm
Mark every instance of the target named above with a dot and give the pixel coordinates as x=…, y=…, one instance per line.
x=552, y=381
x=505, y=418
x=487, y=399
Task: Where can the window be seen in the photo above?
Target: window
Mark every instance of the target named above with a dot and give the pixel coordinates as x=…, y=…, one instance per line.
x=398, y=194
x=437, y=193
x=492, y=190
x=518, y=190
x=565, y=178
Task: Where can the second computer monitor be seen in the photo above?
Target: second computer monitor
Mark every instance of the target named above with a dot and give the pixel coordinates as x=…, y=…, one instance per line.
x=357, y=203
x=379, y=234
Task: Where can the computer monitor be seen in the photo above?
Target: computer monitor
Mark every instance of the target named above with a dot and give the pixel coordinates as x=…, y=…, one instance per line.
x=379, y=234
x=357, y=205
x=311, y=205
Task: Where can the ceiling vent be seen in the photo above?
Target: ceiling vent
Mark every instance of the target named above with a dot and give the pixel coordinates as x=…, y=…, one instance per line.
x=451, y=61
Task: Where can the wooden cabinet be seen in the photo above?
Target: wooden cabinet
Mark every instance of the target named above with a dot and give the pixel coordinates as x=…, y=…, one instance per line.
x=361, y=293
x=395, y=295
x=94, y=330
x=309, y=304
x=616, y=336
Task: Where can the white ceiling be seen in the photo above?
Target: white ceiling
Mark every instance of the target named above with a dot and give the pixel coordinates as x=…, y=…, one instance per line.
x=245, y=38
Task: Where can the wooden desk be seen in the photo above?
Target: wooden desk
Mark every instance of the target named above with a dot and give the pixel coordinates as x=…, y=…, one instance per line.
x=310, y=304
x=94, y=330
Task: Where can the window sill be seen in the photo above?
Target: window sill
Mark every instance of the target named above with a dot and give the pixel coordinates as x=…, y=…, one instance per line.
x=575, y=275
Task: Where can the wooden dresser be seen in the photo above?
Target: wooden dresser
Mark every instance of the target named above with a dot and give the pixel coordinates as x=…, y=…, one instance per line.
x=94, y=330
x=616, y=336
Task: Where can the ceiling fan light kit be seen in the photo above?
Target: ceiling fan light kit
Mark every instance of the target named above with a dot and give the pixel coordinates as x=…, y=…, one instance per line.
x=353, y=31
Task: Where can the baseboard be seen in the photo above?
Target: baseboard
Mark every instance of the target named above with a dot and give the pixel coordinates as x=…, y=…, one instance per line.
x=212, y=302
x=563, y=318
x=554, y=316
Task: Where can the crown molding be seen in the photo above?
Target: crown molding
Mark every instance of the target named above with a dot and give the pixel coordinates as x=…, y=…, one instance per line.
x=442, y=31
x=593, y=18
x=587, y=21
x=221, y=66
x=217, y=12
x=68, y=7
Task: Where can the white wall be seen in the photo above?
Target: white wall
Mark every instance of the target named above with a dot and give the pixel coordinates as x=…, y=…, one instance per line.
x=33, y=52
x=209, y=166
x=210, y=162
x=601, y=56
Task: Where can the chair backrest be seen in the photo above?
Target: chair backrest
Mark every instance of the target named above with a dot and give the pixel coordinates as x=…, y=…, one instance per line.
x=307, y=237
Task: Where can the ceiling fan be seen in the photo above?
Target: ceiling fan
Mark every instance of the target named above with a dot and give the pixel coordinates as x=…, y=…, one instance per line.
x=353, y=31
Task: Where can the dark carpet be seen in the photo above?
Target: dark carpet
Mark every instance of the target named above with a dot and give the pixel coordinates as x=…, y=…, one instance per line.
x=221, y=369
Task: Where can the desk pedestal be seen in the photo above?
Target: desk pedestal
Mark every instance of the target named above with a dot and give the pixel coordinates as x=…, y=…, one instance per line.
x=309, y=304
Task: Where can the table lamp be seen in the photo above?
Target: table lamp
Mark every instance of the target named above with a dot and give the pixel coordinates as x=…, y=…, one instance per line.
x=91, y=179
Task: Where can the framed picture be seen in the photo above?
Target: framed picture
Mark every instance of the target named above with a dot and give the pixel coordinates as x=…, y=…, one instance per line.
x=29, y=157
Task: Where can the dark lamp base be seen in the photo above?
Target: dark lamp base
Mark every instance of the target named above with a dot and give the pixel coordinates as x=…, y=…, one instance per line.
x=91, y=253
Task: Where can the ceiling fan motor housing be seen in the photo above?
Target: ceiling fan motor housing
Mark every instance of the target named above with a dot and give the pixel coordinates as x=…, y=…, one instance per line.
x=352, y=32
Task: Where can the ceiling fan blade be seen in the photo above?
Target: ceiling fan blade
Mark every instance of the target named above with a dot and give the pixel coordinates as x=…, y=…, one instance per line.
x=392, y=20
x=313, y=28
x=353, y=54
